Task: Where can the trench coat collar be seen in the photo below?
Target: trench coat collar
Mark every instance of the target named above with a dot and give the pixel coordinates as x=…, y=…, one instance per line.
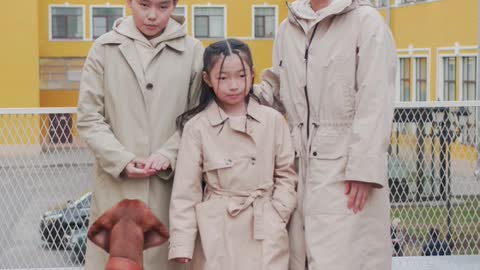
x=217, y=116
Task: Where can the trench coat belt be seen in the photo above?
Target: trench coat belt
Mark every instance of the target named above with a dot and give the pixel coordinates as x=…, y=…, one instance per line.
x=256, y=198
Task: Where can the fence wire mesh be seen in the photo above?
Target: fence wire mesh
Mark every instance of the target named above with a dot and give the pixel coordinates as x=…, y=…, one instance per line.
x=434, y=181
x=46, y=173
x=44, y=177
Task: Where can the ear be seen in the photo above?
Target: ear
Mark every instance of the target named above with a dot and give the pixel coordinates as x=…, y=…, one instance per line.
x=157, y=235
x=206, y=79
x=99, y=235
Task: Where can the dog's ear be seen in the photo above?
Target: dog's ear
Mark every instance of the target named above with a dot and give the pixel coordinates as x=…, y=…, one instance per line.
x=99, y=232
x=156, y=234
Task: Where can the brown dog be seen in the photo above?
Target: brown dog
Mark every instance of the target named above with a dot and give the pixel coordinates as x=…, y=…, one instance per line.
x=125, y=231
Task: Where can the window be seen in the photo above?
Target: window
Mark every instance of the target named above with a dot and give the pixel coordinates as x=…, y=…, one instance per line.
x=60, y=73
x=66, y=22
x=103, y=19
x=209, y=22
x=469, y=81
x=421, y=79
x=449, y=78
x=180, y=11
x=405, y=79
x=383, y=3
x=265, y=22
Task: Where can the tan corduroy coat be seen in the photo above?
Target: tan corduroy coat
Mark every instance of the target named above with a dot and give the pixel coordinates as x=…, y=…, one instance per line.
x=127, y=109
x=336, y=82
x=242, y=212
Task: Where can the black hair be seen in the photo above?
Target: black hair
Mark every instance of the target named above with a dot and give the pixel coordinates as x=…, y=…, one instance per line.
x=213, y=53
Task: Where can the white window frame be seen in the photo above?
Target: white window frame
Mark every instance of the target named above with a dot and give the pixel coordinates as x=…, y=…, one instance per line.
x=398, y=3
x=414, y=76
x=50, y=33
x=399, y=76
x=461, y=56
x=102, y=6
x=253, y=21
x=225, y=30
x=185, y=13
x=455, y=51
x=441, y=81
x=414, y=53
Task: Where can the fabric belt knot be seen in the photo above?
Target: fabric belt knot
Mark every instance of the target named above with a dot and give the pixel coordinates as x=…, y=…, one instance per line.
x=256, y=198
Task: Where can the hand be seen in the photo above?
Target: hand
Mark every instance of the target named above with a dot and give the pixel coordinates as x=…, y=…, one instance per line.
x=136, y=169
x=358, y=193
x=157, y=162
x=182, y=260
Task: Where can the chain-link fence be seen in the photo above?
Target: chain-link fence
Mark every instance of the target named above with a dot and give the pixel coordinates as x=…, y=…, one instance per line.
x=45, y=173
x=44, y=177
x=434, y=179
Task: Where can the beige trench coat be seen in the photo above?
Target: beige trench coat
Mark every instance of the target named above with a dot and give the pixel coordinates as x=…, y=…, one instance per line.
x=125, y=112
x=250, y=191
x=338, y=95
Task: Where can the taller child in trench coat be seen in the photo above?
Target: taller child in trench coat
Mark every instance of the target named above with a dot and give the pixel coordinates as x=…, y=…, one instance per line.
x=137, y=79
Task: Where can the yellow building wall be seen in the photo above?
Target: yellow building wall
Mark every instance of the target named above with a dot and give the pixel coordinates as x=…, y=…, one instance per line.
x=239, y=25
x=19, y=54
x=434, y=25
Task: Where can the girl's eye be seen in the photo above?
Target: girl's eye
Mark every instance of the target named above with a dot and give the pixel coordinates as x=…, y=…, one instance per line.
x=222, y=78
x=243, y=75
x=143, y=4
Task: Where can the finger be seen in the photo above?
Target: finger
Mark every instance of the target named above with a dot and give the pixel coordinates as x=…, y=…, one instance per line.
x=366, y=195
x=348, y=187
x=151, y=172
x=165, y=165
x=352, y=196
x=140, y=162
x=358, y=200
x=149, y=163
x=158, y=165
x=137, y=173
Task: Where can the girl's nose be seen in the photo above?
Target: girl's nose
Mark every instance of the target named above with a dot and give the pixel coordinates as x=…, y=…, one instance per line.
x=234, y=84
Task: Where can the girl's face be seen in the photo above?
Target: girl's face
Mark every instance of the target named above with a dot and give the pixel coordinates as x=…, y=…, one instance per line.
x=231, y=84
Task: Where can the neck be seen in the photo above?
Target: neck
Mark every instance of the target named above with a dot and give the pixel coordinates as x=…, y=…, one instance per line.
x=235, y=109
x=319, y=4
x=126, y=241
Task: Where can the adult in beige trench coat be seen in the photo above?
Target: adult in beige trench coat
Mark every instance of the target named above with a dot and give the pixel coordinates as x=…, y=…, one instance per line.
x=131, y=92
x=333, y=73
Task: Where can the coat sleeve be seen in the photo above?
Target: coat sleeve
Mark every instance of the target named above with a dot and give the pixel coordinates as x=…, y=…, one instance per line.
x=375, y=80
x=91, y=124
x=268, y=90
x=284, y=198
x=186, y=194
x=170, y=148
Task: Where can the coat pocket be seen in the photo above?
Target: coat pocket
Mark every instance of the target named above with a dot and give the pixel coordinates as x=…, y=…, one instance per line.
x=329, y=147
x=210, y=219
x=328, y=160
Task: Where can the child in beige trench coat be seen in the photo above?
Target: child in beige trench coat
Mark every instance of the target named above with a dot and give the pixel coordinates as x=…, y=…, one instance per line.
x=244, y=153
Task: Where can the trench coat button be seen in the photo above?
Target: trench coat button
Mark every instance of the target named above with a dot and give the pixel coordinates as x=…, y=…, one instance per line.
x=149, y=86
x=315, y=153
x=253, y=160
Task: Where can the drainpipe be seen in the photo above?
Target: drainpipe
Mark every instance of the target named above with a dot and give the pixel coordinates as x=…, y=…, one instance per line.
x=388, y=13
x=477, y=171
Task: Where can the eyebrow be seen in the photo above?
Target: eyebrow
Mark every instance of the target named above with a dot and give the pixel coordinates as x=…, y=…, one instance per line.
x=237, y=71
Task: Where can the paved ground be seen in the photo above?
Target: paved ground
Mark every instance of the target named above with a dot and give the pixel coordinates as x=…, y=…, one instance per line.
x=29, y=187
